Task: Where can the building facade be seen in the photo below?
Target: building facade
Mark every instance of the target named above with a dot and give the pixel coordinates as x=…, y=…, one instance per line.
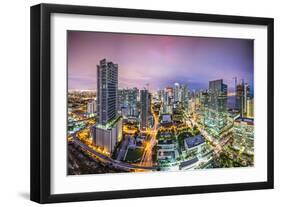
x=215, y=107
x=242, y=96
x=107, y=85
x=243, y=134
x=127, y=102
x=176, y=92
x=91, y=107
x=250, y=108
x=184, y=98
x=108, y=129
x=106, y=137
x=144, y=100
x=218, y=95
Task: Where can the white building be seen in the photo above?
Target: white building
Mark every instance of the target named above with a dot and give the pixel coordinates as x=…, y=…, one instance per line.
x=107, y=136
x=243, y=133
x=92, y=107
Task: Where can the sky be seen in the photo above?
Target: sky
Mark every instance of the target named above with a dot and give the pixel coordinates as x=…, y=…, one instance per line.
x=158, y=60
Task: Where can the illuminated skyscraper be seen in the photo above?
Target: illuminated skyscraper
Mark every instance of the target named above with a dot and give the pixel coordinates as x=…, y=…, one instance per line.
x=242, y=95
x=176, y=92
x=144, y=100
x=218, y=95
x=91, y=107
x=167, y=100
x=243, y=133
x=204, y=99
x=170, y=92
x=127, y=101
x=108, y=130
x=160, y=94
x=107, y=85
x=184, y=96
x=215, y=115
x=250, y=108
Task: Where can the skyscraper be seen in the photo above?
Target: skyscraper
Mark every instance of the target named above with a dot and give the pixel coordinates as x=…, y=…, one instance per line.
x=242, y=95
x=91, y=107
x=108, y=130
x=239, y=96
x=218, y=95
x=160, y=95
x=184, y=96
x=176, y=92
x=144, y=99
x=204, y=99
x=127, y=101
x=167, y=100
x=250, y=108
x=246, y=96
x=107, y=85
x=170, y=92
x=215, y=115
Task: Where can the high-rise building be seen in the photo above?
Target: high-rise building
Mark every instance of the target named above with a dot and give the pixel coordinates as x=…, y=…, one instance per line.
x=204, y=99
x=250, y=108
x=149, y=101
x=215, y=116
x=218, y=95
x=167, y=100
x=176, y=92
x=91, y=107
x=160, y=94
x=107, y=85
x=242, y=95
x=127, y=101
x=183, y=96
x=239, y=96
x=243, y=133
x=204, y=106
x=108, y=129
x=165, y=97
x=169, y=91
x=144, y=100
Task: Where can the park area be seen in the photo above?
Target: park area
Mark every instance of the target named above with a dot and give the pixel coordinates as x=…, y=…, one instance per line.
x=134, y=155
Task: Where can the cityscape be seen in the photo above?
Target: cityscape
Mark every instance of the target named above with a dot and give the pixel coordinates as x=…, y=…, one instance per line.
x=120, y=120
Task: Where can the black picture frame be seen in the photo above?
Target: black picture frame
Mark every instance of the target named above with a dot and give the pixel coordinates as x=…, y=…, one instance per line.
x=41, y=99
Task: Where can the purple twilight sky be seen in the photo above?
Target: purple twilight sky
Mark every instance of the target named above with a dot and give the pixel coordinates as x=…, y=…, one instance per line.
x=158, y=60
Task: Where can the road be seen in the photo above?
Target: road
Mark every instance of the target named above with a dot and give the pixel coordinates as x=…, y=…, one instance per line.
x=123, y=149
x=147, y=155
x=116, y=163
x=106, y=159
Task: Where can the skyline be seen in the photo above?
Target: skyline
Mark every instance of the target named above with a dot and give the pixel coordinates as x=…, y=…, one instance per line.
x=157, y=60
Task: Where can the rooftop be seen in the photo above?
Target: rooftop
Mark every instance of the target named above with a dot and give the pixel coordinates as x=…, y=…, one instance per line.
x=249, y=121
x=166, y=141
x=188, y=162
x=194, y=141
x=110, y=124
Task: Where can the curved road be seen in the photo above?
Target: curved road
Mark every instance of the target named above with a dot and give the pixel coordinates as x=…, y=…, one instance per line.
x=110, y=160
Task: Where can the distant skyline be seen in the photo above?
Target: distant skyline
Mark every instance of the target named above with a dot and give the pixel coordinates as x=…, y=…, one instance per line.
x=158, y=60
